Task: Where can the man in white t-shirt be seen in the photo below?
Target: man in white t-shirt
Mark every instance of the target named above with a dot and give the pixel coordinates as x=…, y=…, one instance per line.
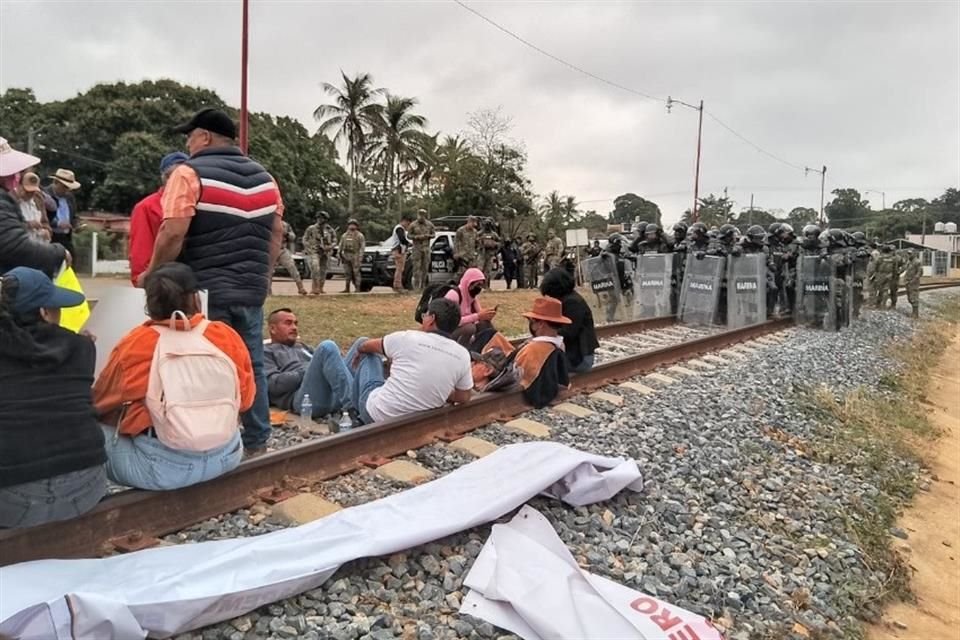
x=428, y=369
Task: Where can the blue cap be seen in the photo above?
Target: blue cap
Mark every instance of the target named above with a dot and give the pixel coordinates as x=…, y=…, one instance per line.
x=35, y=290
x=172, y=159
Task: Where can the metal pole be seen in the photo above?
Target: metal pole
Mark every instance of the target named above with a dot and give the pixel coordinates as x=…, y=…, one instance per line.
x=823, y=184
x=883, y=199
x=750, y=217
x=696, y=177
x=31, y=137
x=243, y=77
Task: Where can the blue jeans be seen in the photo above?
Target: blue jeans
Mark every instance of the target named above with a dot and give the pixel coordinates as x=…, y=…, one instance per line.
x=328, y=380
x=367, y=376
x=58, y=498
x=248, y=322
x=585, y=365
x=146, y=463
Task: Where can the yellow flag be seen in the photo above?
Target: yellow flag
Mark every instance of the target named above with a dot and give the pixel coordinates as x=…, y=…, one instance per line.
x=72, y=318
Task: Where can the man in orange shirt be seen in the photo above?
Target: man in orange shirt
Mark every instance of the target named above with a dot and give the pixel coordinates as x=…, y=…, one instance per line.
x=146, y=218
x=223, y=216
x=135, y=455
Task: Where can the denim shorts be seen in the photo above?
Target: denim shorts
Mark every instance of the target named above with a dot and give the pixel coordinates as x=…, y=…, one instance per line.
x=58, y=498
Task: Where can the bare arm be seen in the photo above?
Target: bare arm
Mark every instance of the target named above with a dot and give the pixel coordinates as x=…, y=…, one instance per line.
x=169, y=241
x=459, y=397
x=276, y=241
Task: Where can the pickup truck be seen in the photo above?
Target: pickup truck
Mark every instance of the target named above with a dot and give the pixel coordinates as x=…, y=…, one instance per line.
x=377, y=266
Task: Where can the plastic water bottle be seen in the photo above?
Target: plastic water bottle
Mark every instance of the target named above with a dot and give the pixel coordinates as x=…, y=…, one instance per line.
x=306, y=412
x=345, y=423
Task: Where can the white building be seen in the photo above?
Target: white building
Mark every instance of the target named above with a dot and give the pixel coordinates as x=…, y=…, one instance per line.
x=945, y=247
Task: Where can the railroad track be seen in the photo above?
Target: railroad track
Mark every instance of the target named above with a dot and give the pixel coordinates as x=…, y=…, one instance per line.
x=135, y=519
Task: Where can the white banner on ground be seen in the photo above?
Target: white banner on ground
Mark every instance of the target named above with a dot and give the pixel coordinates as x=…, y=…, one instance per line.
x=168, y=590
x=526, y=581
x=120, y=310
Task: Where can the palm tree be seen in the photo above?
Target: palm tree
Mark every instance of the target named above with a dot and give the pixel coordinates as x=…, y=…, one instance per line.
x=350, y=116
x=570, y=211
x=552, y=210
x=398, y=130
x=451, y=155
x=426, y=161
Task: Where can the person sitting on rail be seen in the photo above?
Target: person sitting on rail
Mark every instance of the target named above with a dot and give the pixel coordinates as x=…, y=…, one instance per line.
x=51, y=450
x=294, y=370
x=170, y=395
x=427, y=368
x=580, y=336
x=475, y=322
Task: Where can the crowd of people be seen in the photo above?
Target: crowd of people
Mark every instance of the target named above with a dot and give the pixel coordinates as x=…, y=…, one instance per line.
x=185, y=396
x=873, y=269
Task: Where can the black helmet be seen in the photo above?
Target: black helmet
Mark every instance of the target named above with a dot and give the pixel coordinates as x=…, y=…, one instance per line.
x=615, y=243
x=640, y=229
x=727, y=232
x=785, y=228
x=811, y=230
x=756, y=234
x=698, y=229
x=323, y=214
x=531, y=236
x=859, y=238
x=773, y=229
x=836, y=238
x=651, y=228
x=353, y=221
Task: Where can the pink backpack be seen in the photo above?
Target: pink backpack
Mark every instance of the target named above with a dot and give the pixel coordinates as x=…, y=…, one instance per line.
x=193, y=394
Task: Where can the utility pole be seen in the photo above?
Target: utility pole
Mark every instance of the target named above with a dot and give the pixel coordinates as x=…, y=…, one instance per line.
x=823, y=184
x=750, y=216
x=243, y=77
x=696, y=175
x=31, y=139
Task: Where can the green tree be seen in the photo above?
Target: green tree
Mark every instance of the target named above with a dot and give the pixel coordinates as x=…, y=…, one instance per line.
x=848, y=209
x=349, y=118
x=629, y=206
x=132, y=173
x=712, y=211
x=801, y=216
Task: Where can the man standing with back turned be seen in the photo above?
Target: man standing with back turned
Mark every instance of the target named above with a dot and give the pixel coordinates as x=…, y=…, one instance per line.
x=222, y=216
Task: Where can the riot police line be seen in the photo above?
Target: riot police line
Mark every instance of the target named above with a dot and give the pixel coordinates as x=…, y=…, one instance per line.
x=718, y=277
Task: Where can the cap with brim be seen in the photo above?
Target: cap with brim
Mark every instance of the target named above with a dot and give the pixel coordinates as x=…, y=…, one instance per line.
x=212, y=120
x=30, y=182
x=13, y=161
x=35, y=291
x=549, y=310
x=172, y=159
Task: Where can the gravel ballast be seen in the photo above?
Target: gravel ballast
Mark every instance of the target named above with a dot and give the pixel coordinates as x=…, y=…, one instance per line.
x=735, y=522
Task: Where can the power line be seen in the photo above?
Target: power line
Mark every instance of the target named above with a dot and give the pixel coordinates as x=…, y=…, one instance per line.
x=557, y=58
x=617, y=85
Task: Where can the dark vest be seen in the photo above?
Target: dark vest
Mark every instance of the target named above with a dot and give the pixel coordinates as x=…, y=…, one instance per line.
x=228, y=244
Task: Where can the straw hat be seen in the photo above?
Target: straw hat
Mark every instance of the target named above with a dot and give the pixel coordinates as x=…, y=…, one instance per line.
x=13, y=161
x=66, y=178
x=547, y=309
x=30, y=182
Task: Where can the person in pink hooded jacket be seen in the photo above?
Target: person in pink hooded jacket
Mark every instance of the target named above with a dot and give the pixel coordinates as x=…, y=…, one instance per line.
x=473, y=317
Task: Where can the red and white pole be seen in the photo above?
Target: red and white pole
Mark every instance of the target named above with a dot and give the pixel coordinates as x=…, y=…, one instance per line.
x=244, y=55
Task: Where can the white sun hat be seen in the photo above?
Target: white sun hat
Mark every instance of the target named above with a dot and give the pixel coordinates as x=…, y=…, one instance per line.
x=13, y=161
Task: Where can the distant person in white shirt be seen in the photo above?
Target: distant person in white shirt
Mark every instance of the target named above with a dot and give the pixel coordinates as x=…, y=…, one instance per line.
x=428, y=369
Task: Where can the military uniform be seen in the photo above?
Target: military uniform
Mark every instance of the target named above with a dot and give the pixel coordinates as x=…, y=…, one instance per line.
x=530, y=252
x=911, y=278
x=860, y=258
x=899, y=264
x=351, y=253
x=885, y=272
x=553, y=252
x=421, y=232
x=318, y=241
x=489, y=248
x=466, y=249
x=286, y=258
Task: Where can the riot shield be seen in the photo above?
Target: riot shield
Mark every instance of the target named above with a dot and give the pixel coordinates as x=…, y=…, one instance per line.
x=746, y=290
x=818, y=293
x=607, y=301
x=858, y=276
x=700, y=295
x=653, y=286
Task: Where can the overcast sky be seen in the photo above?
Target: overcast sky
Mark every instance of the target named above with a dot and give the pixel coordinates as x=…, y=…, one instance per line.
x=871, y=89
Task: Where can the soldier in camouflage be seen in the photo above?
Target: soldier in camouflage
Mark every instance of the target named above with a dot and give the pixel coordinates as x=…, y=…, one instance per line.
x=318, y=241
x=900, y=263
x=654, y=240
x=553, y=250
x=466, y=245
x=885, y=271
x=285, y=259
x=911, y=279
x=489, y=248
x=530, y=255
x=421, y=232
x=351, y=253
x=860, y=258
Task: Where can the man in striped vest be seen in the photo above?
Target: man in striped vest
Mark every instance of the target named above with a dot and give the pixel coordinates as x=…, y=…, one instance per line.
x=223, y=216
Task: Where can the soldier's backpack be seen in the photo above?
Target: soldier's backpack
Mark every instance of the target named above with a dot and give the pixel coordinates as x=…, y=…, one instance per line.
x=431, y=293
x=193, y=393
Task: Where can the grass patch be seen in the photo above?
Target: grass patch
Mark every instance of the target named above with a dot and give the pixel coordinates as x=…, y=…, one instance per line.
x=883, y=435
x=344, y=318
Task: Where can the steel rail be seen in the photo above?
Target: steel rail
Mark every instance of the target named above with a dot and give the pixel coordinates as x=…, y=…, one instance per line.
x=140, y=515
x=135, y=515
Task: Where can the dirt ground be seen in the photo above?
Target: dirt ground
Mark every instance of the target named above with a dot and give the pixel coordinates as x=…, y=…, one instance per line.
x=933, y=525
